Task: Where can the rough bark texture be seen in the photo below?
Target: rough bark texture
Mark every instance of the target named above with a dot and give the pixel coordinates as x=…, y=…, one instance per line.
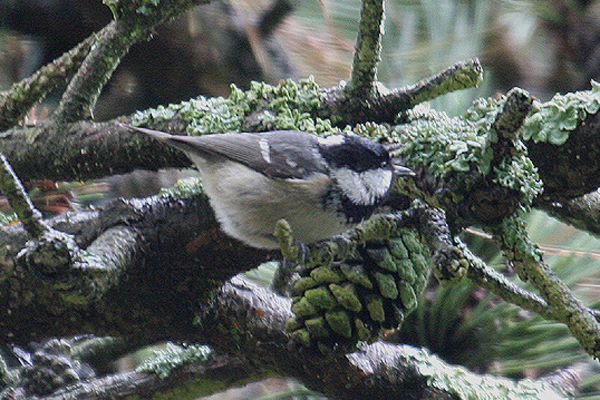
x=156, y=300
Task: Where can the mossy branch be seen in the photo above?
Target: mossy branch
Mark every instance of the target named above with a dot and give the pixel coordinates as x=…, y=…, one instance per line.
x=18, y=100
x=563, y=306
x=55, y=257
x=134, y=22
x=367, y=51
x=462, y=75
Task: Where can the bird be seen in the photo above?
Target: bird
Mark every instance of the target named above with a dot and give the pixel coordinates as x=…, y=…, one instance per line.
x=321, y=186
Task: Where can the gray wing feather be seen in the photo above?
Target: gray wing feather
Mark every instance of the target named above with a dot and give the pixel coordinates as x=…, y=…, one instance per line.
x=280, y=154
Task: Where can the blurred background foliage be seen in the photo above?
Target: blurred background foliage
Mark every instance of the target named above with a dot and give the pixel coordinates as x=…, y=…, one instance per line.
x=541, y=46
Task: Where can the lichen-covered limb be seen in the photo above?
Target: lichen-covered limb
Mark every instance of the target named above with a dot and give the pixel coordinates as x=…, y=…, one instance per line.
x=561, y=135
x=474, y=167
x=449, y=263
x=79, y=99
x=367, y=51
x=56, y=373
x=251, y=320
x=134, y=22
x=79, y=276
x=55, y=257
x=485, y=276
x=437, y=234
x=506, y=142
x=154, y=242
x=563, y=306
x=388, y=107
x=16, y=102
x=462, y=75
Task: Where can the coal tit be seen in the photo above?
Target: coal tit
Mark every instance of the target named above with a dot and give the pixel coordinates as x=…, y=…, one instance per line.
x=321, y=186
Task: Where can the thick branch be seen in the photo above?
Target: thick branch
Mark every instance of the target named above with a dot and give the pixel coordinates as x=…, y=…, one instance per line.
x=216, y=374
x=252, y=320
x=154, y=243
x=572, y=169
x=83, y=151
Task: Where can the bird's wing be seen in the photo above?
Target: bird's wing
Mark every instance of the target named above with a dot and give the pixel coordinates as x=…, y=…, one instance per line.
x=280, y=154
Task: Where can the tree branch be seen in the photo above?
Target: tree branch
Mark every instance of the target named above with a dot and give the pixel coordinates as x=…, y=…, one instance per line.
x=155, y=243
x=462, y=75
x=11, y=187
x=134, y=22
x=583, y=212
x=18, y=100
x=563, y=306
x=252, y=320
x=367, y=51
x=200, y=379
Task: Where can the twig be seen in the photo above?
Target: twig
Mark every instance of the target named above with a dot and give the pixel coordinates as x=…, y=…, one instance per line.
x=462, y=75
x=272, y=17
x=367, y=52
x=507, y=126
x=563, y=306
x=135, y=21
x=16, y=102
x=84, y=89
x=12, y=188
x=481, y=274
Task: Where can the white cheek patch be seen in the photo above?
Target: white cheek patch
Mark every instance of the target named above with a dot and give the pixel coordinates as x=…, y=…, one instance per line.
x=366, y=187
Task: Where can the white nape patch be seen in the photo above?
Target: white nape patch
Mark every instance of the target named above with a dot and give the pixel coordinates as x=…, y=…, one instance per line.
x=333, y=140
x=364, y=188
x=265, y=150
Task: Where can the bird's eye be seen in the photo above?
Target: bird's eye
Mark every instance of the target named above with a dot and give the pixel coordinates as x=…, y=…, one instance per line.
x=384, y=164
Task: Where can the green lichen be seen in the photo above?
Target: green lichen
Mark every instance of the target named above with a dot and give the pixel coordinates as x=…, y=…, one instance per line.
x=516, y=241
x=553, y=121
x=466, y=385
x=165, y=361
x=183, y=189
x=289, y=105
x=458, y=146
x=444, y=144
x=519, y=173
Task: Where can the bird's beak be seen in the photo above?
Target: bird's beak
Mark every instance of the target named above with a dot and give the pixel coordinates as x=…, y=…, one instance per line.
x=400, y=170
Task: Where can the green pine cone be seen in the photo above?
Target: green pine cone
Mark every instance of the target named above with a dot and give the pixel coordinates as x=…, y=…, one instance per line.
x=352, y=301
